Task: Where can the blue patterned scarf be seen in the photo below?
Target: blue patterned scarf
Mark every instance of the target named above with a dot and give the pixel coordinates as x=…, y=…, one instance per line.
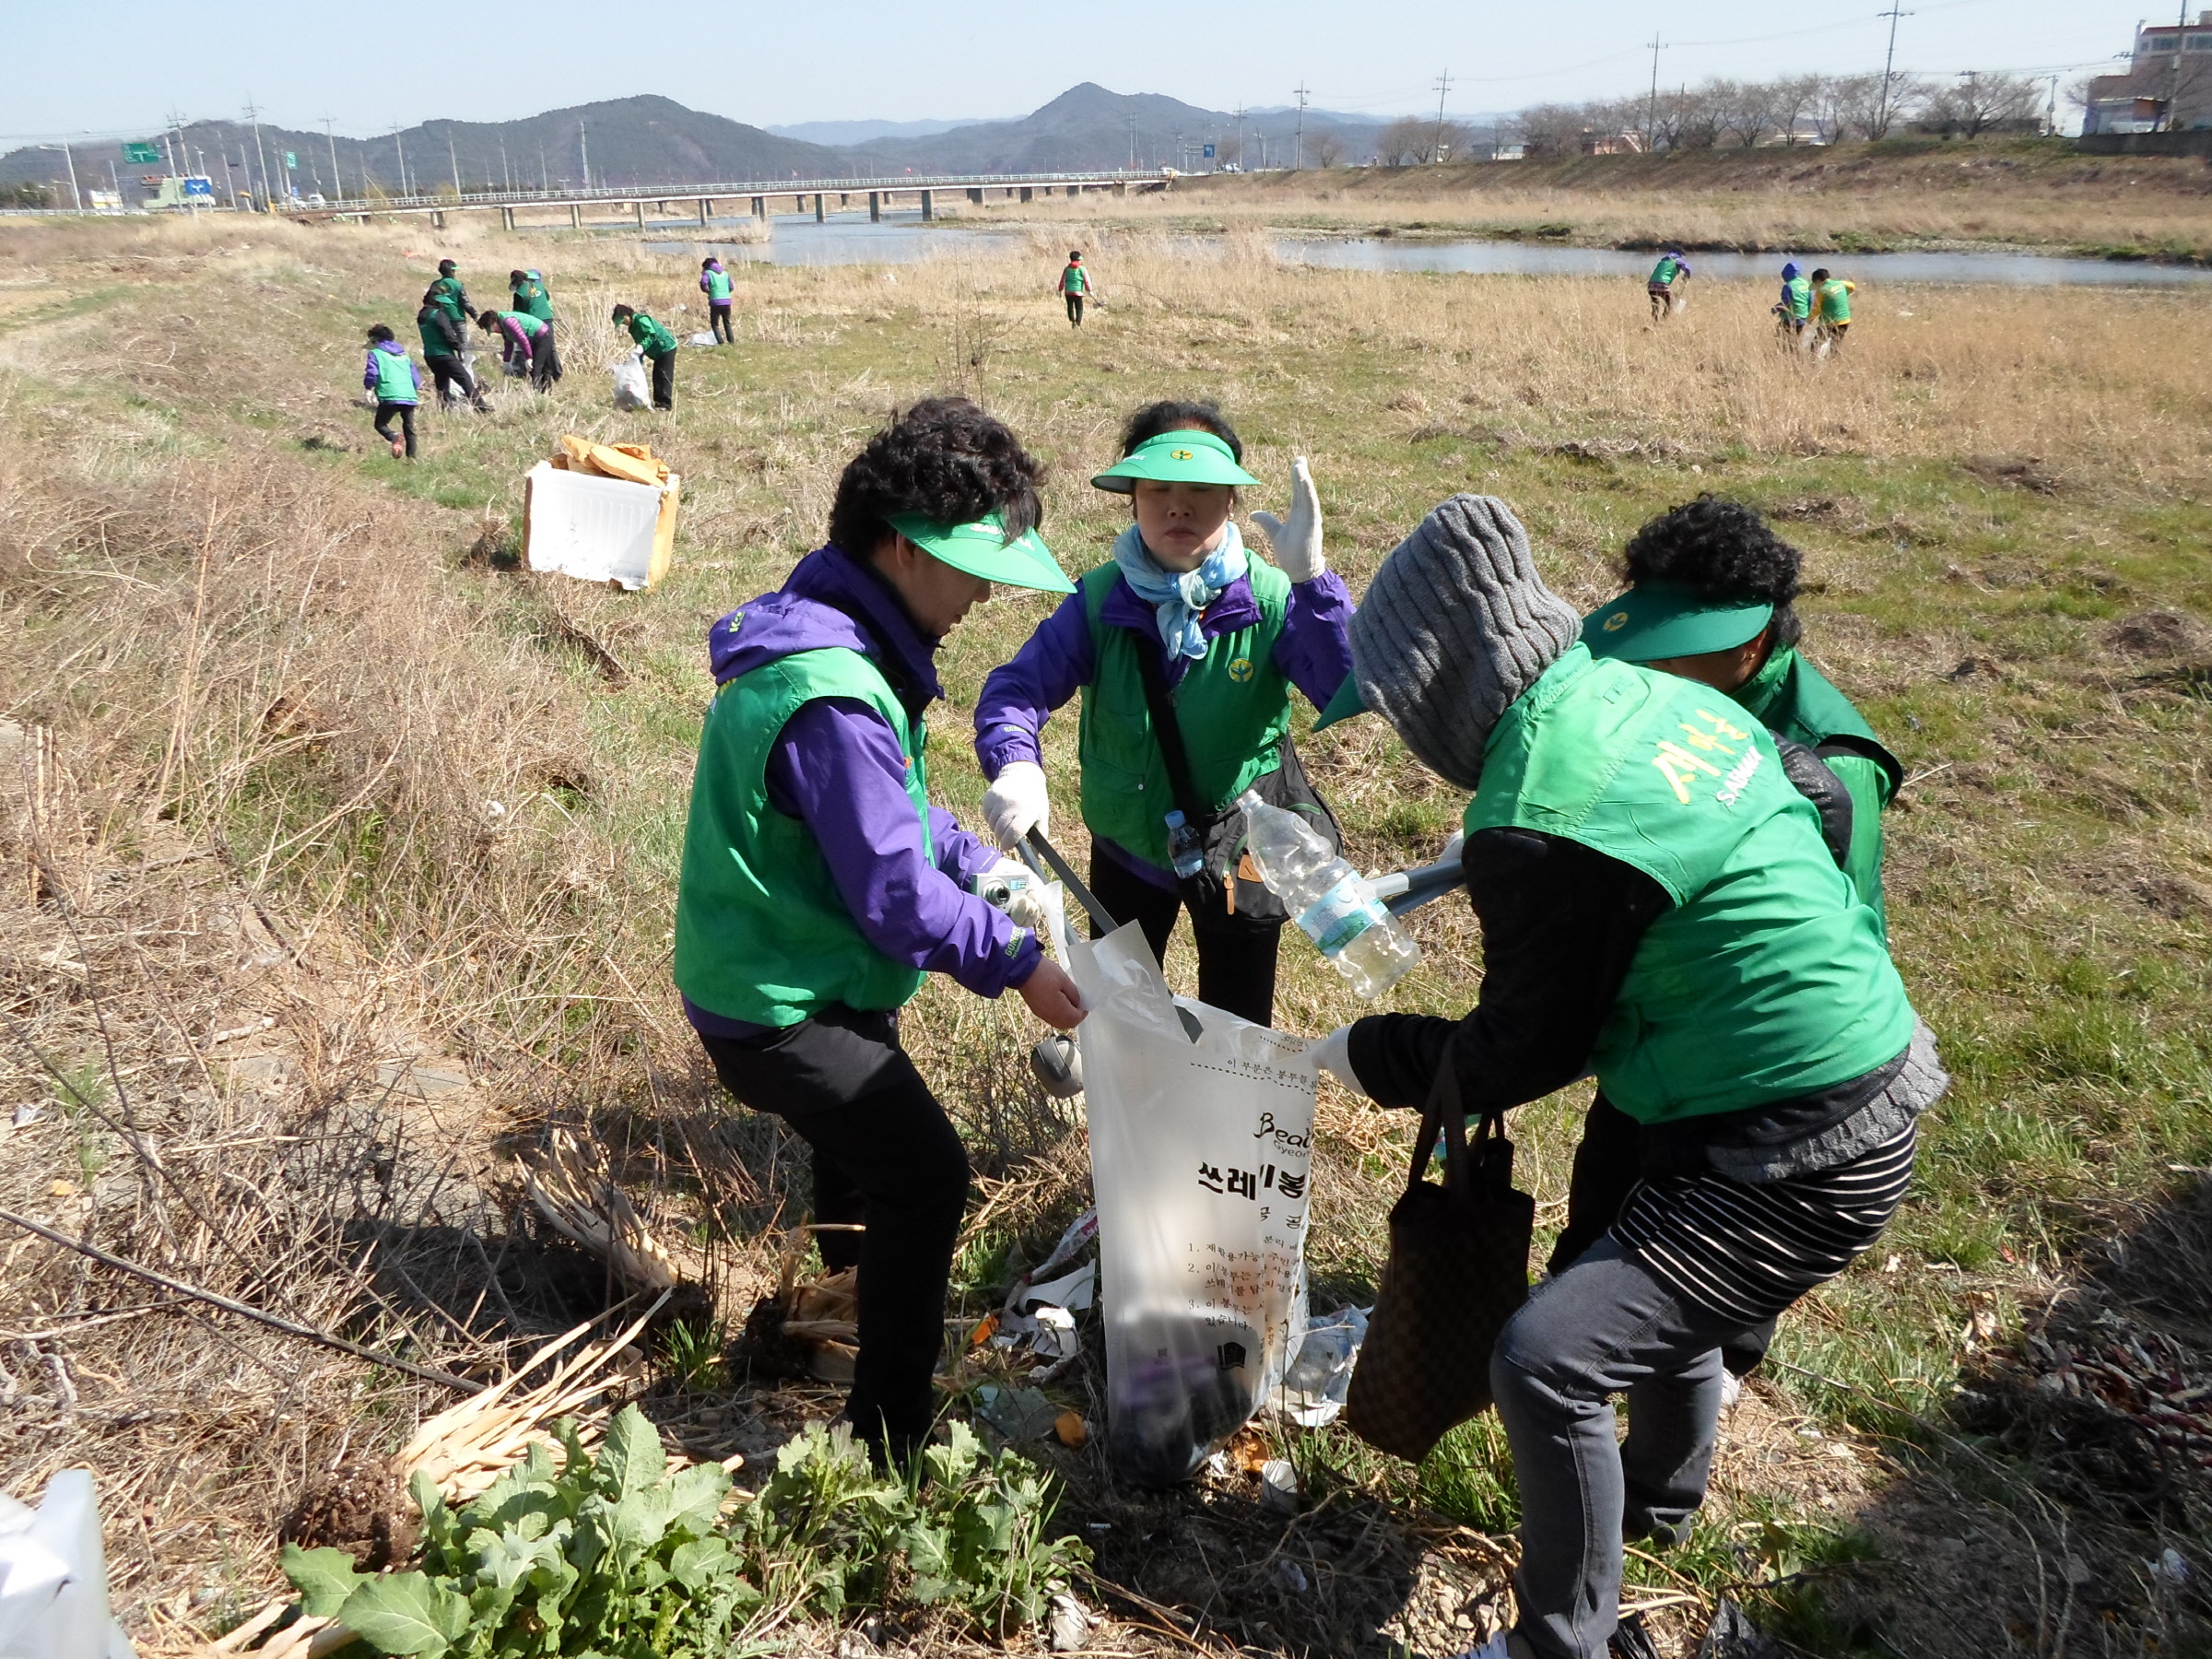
x=1178, y=600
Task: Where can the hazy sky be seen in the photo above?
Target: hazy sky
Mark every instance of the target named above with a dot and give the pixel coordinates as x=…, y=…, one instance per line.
x=121, y=68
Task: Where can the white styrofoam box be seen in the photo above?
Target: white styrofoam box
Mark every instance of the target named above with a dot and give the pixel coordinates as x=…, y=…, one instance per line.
x=592, y=528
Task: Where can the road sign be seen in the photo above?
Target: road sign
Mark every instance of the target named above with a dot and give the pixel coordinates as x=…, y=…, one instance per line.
x=200, y=187
x=141, y=153
x=1209, y=152
x=290, y=160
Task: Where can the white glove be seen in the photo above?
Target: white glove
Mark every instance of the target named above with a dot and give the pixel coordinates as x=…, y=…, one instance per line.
x=1017, y=803
x=1333, y=1054
x=1297, y=544
x=1024, y=906
x=1453, y=848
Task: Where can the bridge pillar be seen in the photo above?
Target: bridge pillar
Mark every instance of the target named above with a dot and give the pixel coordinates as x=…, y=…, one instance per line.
x=844, y=198
x=976, y=196
x=929, y=206
x=799, y=204
x=760, y=206
x=637, y=208
x=706, y=208
x=819, y=212
x=1120, y=187
x=1025, y=192
x=575, y=216
x=436, y=221
x=874, y=206
x=507, y=218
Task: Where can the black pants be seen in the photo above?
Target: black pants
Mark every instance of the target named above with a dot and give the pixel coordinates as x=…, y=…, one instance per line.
x=1607, y=1165
x=1075, y=310
x=664, y=379
x=884, y=1156
x=385, y=411
x=1236, y=958
x=452, y=376
x=545, y=360
x=718, y=319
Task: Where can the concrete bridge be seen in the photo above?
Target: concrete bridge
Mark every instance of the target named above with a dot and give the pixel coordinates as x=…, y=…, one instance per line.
x=695, y=204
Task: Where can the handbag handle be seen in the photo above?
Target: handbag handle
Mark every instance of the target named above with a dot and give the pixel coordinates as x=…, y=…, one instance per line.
x=1442, y=1117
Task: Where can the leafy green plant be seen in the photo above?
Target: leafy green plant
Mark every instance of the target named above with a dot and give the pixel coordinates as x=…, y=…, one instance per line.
x=613, y=1555
x=692, y=1350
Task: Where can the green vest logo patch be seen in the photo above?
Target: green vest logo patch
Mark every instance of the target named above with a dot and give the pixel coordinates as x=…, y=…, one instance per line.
x=1240, y=669
x=1178, y=455
x=1616, y=621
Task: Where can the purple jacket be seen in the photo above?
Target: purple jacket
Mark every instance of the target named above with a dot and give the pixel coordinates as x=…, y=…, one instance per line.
x=840, y=768
x=370, y=377
x=1314, y=651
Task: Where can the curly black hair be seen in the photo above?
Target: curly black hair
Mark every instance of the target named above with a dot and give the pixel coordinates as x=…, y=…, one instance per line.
x=1169, y=415
x=944, y=459
x=1720, y=550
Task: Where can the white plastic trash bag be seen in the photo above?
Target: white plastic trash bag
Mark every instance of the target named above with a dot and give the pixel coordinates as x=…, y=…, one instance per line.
x=53, y=1576
x=632, y=390
x=1201, y=1147
x=705, y=337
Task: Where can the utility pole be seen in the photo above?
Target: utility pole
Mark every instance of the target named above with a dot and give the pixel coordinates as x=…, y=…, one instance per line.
x=506, y=172
x=544, y=180
x=337, y=180
x=583, y=146
x=2051, y=112
x=1132, y=141
x=1436, y=145
x=1240, y=167
x=400, y=149
x=452, y=163
x=1881, y=119
x=253, y=115
x=2173, y=87
x=1651, y=113
x=1298, y=153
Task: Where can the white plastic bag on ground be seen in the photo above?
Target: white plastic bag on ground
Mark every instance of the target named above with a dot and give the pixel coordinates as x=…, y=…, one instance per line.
x=705, y=337
x=632, y=389
x=1201, y=1146
x=53, y=1576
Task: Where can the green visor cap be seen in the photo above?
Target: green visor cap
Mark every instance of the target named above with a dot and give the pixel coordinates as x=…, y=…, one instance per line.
x=1175, y=458
x=981, y=549
x=1659, y=619
x=1344, y=705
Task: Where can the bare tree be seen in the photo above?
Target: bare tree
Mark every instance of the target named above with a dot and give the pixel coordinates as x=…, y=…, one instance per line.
x=1795, y=99
x=1690, y=118
x=1550, y=129
x=1978, y=103
x=1404, y=143
x=1328, y=149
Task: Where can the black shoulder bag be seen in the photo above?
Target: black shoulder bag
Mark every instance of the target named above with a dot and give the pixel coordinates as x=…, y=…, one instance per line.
x=1229, y=882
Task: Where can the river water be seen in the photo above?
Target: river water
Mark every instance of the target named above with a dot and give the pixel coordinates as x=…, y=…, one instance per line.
x=902, y=238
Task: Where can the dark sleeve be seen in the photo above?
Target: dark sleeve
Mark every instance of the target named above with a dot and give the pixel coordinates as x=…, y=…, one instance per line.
x=1813, y=779
x=1560, y=924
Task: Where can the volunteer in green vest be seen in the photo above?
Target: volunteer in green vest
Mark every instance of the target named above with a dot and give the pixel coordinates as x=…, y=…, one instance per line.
x=715, y=282
x=441, y=347
x=530, y=295
x=1668, y=285
x=1712, y=599
x=1831, y=302
x=1074, y=287
x=819, y=885
x=390, y=374
x=1183, y=619
x=526, y=345
x=659, y=347
x=451, y=298
x=1793, y=311
x=1659, y=908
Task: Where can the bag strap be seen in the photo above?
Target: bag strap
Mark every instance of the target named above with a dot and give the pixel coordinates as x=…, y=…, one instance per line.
x=1167, y=730
x=1443, y=1118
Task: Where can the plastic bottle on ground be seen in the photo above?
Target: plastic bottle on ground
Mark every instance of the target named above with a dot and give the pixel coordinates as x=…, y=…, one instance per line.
x=1331, y=901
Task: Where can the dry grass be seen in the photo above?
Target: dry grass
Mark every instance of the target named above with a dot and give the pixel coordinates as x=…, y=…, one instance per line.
x=292, y=669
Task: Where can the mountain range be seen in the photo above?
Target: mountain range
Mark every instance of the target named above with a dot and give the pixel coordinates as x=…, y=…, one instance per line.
x=651, y=140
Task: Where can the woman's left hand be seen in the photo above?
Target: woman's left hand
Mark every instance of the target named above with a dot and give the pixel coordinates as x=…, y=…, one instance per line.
x=1297, y=544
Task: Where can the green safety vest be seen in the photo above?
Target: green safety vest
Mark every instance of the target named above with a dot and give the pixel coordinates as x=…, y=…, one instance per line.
x=450, y=296
x=718, y=286
x=530, y=296
x=1075, y=280
x=1797, y=292
x=1233, y=706
x=532, y=327
x=1663, y=273
x=762, y=933
x=1768, y=978
x=656, y=340
x=1835, y=301
x=1790, y=696
x=434, y=340
x=394, y=377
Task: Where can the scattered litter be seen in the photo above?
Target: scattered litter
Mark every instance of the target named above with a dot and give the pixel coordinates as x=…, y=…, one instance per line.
x=1016, y=1415
x=601, y=513
x=53, y=1575
x=1314, y=1387
x=2173, y=1567
x=1073, y=1291
x=26, y=1115
x=705, y=337
x=1058, y=1063
x=1072, y=1624
x=1279, y=1488
x=1732, y=1635
x=1072, y=1431
x=1290, y=1575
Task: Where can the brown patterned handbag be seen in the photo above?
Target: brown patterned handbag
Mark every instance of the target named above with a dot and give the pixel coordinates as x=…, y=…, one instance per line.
x=1458, y=1270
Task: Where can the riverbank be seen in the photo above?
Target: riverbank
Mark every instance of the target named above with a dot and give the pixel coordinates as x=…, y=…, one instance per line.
x=1906, y=196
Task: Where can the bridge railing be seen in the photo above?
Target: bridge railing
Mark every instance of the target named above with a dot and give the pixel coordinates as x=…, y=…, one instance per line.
x=746, y=187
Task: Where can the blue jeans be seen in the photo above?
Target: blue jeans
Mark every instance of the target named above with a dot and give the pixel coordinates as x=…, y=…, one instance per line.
x=1603, y=1326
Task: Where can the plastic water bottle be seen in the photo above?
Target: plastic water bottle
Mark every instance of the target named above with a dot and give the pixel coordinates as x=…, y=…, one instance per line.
x=1185, y=851
x=1331, y=901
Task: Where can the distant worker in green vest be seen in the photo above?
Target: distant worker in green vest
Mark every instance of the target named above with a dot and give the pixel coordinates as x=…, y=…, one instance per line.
x=1658, y=907
x=390, y=374
x=715, y=282
x=530, y=295
x=1668, y=285
x=450, y=297
x=659, y=348
x=1182, y=631
x=526, y=345
x=819, y=885
x=1711, y=600
x=1832, y=299
x=1793, y=311
x=1074, y=287
x=442, y=350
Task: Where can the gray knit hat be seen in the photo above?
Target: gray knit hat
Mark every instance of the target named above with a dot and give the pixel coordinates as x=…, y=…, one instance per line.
x=1455, y=625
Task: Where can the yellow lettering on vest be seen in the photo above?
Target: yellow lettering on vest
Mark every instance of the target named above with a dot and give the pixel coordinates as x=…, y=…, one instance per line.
x=1721, y=725
x=1681, y=756
x=1680, y=780
x=1705, y=740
